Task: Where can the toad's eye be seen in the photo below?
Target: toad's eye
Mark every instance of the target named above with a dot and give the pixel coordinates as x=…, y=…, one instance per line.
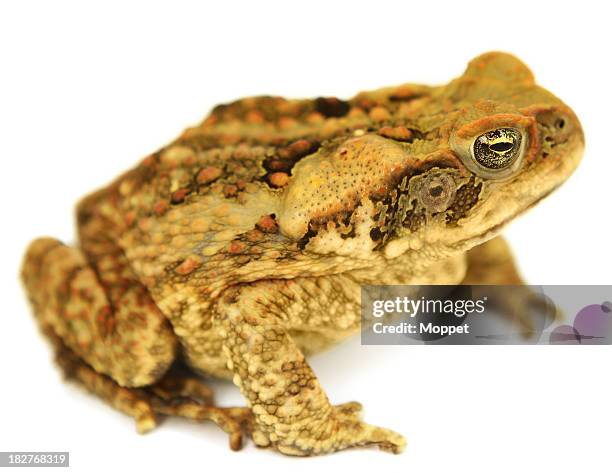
x=497, y=149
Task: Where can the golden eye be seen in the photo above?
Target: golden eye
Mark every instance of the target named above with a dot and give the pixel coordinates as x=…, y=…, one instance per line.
x=497, y=149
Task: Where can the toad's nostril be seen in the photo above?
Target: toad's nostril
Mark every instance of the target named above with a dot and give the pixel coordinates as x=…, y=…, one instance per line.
x=556, y=121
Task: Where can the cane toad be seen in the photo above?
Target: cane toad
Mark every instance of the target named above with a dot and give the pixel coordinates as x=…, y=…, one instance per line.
x=239, y=249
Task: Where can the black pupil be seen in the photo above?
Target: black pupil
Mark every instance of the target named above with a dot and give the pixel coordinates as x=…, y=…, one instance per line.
x=501, y=147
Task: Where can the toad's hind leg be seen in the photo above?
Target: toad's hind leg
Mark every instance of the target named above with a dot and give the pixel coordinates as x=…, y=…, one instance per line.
x=110, y=337
x=176, y=394
x=99, y=310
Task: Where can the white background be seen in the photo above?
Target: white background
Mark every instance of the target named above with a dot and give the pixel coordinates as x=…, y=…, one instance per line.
x=86, y=91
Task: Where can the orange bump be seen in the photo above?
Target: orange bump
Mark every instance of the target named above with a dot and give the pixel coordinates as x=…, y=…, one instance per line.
x=188, y=266
x=179, y=195
x=287, y=122
x=279, y=179
x=255, y=117
x=230, y=190
x=129, y=218
x=379, y=114
x=297, y=149
x=315, y=117
x=400, y=133
x=160, y=207
x=208, y=174
x=236, y=247
x=267, y=224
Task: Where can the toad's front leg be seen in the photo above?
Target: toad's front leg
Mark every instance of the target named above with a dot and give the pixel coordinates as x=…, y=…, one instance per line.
x=492, y=263
x=292, y=412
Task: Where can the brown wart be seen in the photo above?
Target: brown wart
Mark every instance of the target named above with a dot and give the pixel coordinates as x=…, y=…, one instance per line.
x=405, y=94
x=331, y=107
x=278, y=166
x=399, y=133
x=256, y=110
x=258, y=242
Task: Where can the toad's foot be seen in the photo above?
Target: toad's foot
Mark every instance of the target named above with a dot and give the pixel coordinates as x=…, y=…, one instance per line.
x=292, y=413
x=176, y=394
x=341, y=429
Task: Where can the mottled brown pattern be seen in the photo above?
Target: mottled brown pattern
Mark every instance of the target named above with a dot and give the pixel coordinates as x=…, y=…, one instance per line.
x=466, y=197
x=240, y=248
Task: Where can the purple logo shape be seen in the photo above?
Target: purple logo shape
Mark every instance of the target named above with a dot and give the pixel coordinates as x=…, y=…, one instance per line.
x=592, y=326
